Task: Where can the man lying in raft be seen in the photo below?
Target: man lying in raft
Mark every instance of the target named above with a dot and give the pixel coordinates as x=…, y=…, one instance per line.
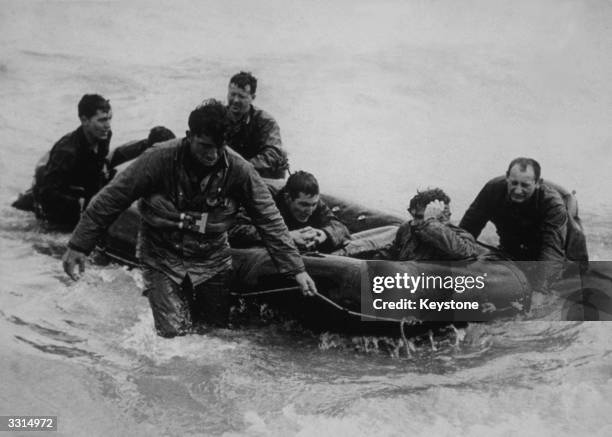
x=312, y=224
x=196, y=175
x=535, y=220
x=77, y=166
x=429, y=236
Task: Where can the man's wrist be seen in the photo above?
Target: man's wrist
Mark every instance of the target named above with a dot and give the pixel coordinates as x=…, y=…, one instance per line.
x=76, y=248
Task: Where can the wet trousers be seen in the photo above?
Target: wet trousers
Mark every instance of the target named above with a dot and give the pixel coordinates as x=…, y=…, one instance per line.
x=178, y=307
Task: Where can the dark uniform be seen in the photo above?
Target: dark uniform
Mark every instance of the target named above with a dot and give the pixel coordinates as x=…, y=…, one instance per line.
x=256, y=137
x=535, y=230
x=74, y=170
x=178, y=260
x=245, y=234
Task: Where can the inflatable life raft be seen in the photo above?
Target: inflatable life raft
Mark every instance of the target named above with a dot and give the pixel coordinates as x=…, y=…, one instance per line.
x=354, y=293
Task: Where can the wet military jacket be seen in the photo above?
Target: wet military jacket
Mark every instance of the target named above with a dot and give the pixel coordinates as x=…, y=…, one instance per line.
x=166, y=171
x=256, y=137
x=431, y=240
x=245, y=234
x=532, y=231
x=72, y=166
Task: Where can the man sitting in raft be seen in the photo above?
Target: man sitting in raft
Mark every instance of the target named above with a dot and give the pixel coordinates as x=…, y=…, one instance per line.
x=312, y=225
x=252, y=132
x=200, y=179
x=66, y=178
x=430, y=236
x=535, y=220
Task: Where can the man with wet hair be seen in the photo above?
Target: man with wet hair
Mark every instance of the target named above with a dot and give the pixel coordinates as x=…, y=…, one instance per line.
x=531, y=219
x=76, y=168
x=254, y=133
x=312, y=225
x=190, y=191
x=430, y=236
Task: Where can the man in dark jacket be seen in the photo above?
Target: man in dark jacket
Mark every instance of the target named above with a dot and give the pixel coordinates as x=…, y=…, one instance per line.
x=76, y=168
x=312, y=225
x=531, y=219
x=253, y=133
x=200, y=178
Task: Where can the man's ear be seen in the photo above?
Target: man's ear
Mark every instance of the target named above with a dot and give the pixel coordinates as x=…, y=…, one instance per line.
x=253, y=96
x=83, y=119
x=539, y=182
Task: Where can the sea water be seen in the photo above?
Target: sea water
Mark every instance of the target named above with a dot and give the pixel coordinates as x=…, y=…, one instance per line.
x=377, y=99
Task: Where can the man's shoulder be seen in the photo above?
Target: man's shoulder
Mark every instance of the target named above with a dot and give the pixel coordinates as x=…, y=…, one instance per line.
x=497, y=182
x=550, y=197
x=165, y=148
x=68, y=144
x=495, y=189
x=168, y=144
x=238, y=164
x=261, y=116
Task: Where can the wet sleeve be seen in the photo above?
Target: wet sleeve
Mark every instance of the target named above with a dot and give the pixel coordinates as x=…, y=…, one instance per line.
x=243, y=233
x=455, y=243
x=270, y=159
x=553, y=230
x=393, y=251
x=134, y=182
x=259, y=205
x=337, y=233
x=479, y=213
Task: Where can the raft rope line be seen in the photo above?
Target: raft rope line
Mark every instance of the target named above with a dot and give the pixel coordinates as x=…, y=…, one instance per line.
x=404, y=321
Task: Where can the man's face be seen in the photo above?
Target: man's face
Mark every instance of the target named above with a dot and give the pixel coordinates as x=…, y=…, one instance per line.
x=99, y=125
x=443, y=215
x=302, y=207
x=521, y=183
x=204, y=149
x=239, y=100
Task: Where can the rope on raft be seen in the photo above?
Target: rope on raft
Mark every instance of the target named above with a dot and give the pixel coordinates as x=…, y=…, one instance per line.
x=404, y=321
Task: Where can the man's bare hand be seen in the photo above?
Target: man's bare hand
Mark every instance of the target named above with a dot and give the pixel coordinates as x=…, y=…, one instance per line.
x=70, y=260
x=320, y=236
x=306, y=284
x=304, y=238
x=434, y=209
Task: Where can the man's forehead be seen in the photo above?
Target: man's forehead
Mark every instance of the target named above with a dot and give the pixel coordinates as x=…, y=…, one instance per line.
x=304, y=197
x=245, y=89
x=203, y=140
x=519, y=172
x=103, y=114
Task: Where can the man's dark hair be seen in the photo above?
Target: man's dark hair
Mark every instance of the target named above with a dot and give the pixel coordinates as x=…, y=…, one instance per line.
x=91, y=103
x=243, y=79
x=159, y=134
x=209, y=118
x=422, y=198
x=523, y=163
x=301, y=182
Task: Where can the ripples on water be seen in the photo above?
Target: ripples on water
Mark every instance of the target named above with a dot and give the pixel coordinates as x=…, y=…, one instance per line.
x=87, y=351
